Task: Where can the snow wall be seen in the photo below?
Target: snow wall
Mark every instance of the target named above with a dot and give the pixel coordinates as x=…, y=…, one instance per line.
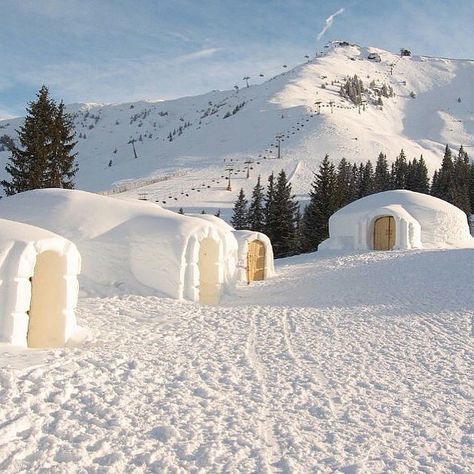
x=129, y=245
x=422, y=221
x=38, y=286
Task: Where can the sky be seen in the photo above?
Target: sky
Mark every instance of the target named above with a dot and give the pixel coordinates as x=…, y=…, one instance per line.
x=128, y=50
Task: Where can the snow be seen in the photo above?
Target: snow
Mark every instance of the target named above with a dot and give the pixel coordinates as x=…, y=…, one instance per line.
x=422, y=221
x=284, y=103
x=21, y=248
x=128, y=245
x=338, y=364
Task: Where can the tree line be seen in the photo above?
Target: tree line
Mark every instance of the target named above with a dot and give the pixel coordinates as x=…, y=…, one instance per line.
x=44, y=157
x=276, y=212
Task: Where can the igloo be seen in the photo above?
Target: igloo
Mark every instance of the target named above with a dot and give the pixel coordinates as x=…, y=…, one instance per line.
x=255, y=256
x=38, y=286
x=397, y=219
x=255, y=252
x=134, y=246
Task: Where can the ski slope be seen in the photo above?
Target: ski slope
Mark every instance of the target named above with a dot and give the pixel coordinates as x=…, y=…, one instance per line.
x=224, y=129
x=341, y=363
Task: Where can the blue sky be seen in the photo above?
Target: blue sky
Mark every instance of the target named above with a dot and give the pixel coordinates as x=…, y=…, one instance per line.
x=124, y=50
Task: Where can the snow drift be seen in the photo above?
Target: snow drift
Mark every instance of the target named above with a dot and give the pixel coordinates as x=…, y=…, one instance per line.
x=38, y=286
x=420, y=221
x=134, y=246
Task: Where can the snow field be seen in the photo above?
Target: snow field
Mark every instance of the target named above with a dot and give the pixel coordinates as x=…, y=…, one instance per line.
x=341, y=363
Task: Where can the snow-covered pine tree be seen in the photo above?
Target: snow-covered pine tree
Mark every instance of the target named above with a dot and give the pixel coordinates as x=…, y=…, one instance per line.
x=322, y=204
x=44, y=158
x=239, y=217
x=256, y=213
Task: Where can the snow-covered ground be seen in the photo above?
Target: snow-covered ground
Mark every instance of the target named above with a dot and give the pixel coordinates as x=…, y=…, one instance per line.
x=341, y=363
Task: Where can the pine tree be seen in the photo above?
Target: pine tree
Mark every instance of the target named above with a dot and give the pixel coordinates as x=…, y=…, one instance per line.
x=271, y=225
x=345, y=186
x=284, y=211
x=322, y=204
x=239, y=218
x=62, y=166
x=256, y=214
x=443, y=185
x=44, y=158
x=366, y=186
x=398, y=176
x=382, y=174
x=461, y=171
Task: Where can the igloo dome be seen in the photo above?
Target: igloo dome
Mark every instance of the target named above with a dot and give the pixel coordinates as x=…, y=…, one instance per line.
x=398, y=219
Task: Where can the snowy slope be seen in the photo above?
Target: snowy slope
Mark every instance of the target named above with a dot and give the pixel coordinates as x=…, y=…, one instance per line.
x=197, y=158
x=342, y=363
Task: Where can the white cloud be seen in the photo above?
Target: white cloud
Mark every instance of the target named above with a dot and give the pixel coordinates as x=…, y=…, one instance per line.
x=202, y=53
x=329, y=21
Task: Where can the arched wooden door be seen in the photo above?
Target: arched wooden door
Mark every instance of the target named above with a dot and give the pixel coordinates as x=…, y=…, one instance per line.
x=384, y=233
x=255, y=261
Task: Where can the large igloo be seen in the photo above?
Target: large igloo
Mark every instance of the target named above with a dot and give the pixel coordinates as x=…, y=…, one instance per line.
x=130, y=246
x=38, y=286
x=397, y=219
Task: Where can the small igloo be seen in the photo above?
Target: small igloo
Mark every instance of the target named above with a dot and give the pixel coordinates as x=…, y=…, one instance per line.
x=255, y=256
x=38, y=286
x=255, y=252
x=397, y=219
x=130, y=246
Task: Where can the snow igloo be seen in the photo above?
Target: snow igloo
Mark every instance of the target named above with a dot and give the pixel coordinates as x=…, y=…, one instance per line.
x=399, y=219
x=130, y=246
x=38, y=286
x=255, y=252
x=255, y=256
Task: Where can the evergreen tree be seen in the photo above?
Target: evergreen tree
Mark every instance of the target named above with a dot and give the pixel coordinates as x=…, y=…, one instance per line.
x=398, y=176
x=345, y=186
x=382, y=174
x=271, y=225
x=322, y=204
x=256, y=214
x=461, y=172
x=44, y=158
x=285, y=210
x=62, y=166
x=417, y=176
x=443, y=185
x=366, y=186
x=239, y=218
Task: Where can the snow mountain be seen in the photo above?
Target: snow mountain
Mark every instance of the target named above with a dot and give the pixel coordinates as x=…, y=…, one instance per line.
x=181, y=152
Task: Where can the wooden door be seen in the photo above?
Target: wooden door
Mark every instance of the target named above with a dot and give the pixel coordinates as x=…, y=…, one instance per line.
x=384, y=233
x=255, y=261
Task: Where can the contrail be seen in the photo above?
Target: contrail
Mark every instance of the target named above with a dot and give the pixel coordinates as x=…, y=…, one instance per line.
x=329, y=21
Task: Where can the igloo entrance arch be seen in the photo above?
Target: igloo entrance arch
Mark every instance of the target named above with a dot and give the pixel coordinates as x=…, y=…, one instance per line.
x=208, y=264
x=38, y=286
